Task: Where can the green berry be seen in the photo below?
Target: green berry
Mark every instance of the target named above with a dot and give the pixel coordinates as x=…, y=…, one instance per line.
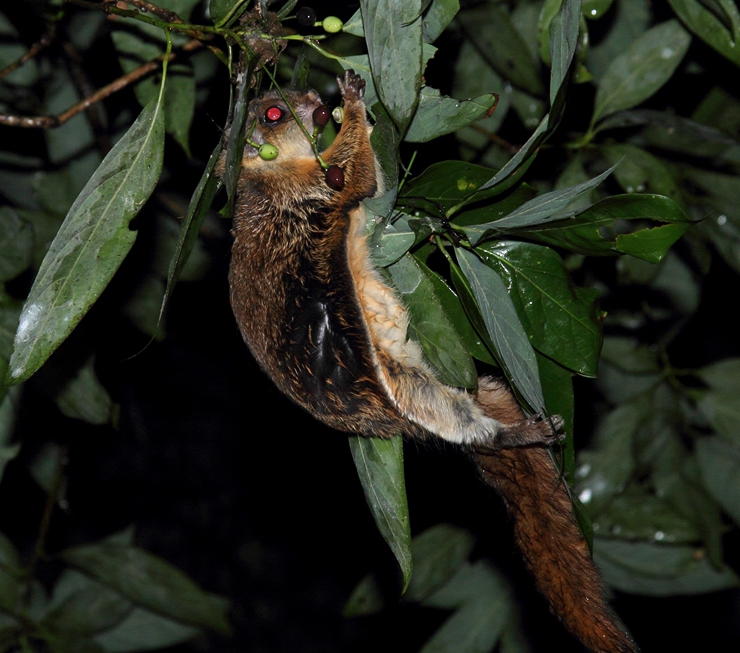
x=267, y=152
x=332, y=24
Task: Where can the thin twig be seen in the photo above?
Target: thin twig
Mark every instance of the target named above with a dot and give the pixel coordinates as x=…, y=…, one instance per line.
x=42, y=43
x=49, y=122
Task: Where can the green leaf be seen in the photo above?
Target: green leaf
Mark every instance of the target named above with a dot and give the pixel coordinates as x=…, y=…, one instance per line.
x=83, y=397
x=719, y=463
x=83, y=606
x=394, y=46
x=723, y=412
x=562, y=321
x=438, y=115
x=16, y=244
x=595, y=9
x=221, y=10
x=430, y=326
x=439, y=552
x=594, y=231
x=394, y=241
x=659, y=569
x=628, y=19
x=722, y=375
x=439, y=16
x=150, y=582
x=490, y=28
x=606, y=467
x=485, y=605
x=638, y=515
x=379, y=464
x=142, y=43
x=562, y=45
x=446, y=186
x=144, y=631
x=456, y=313
x=639, y=71
x=709, y=28
x=502, y=323
x=91, y=243
x=641, y=172
x=10, y=573
x=200, y=204
x=544, y=208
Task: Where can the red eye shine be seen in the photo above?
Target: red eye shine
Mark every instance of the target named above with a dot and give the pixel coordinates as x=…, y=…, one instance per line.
x=273, y=114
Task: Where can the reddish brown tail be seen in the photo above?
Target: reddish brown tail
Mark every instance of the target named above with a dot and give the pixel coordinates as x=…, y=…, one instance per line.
x=552, y=545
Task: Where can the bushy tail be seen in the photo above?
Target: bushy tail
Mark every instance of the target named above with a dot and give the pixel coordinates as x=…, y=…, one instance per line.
x=552, y=545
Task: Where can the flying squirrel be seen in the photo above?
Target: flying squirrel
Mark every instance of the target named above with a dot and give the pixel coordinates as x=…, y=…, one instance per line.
x=332, y=335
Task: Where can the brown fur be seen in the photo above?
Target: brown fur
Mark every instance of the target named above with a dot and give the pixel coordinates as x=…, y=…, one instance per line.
x=333, y=336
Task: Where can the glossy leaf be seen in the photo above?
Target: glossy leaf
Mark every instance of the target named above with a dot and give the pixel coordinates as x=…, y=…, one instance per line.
x=628, y=20
x=655, y=569
x=539, y=210
x=394, y=45
x=438, y=115
x=148, y=581
x=561, y=320
x=394, y=241
x=430, y=326
x=710, y=28
x=504, y=327
x=456, y=313
x=605, y=468
x=379, y=464
x=91, y=244
x=637, y=73
x=444, y=187
x=592, y=231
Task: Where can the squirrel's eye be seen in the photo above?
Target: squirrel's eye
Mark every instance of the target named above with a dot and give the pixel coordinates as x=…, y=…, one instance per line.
x=273, y=114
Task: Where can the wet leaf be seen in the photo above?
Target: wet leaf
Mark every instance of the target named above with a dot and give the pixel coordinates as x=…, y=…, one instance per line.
x=379, y=464
x=502, y=323
x=438, y=115
x=91, y=243
x=638, y=72
x=394, y=44
x=544, y=208
x=709, y=27
x=593, y=232
x=562, y=321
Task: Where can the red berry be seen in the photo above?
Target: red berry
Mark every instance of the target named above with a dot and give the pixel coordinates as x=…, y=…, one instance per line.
x=321, y=116
x=334, y=176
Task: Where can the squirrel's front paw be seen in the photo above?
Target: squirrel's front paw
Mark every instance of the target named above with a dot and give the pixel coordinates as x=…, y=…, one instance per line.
x=352, y=86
